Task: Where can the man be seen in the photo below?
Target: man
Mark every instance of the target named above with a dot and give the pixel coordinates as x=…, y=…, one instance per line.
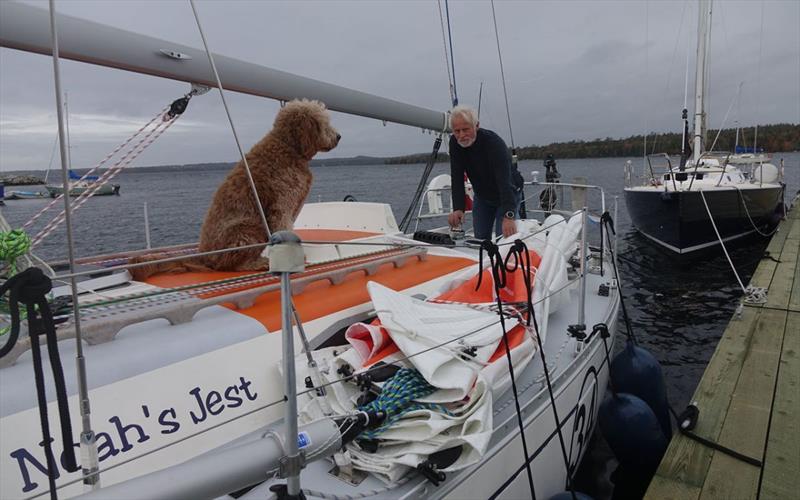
x=485, y=158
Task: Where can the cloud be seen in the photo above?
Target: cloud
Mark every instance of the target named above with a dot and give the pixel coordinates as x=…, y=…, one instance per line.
x=573, y=70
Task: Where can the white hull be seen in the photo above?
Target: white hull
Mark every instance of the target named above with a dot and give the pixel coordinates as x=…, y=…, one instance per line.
x=74, y=190
x=163, y=394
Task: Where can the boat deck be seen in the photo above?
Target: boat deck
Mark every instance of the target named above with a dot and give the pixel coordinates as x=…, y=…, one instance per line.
x=748, y=397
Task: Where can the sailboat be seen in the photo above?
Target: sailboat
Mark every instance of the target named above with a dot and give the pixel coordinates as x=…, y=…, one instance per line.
x=421, y=376
x=711, y=198
x=80, y=185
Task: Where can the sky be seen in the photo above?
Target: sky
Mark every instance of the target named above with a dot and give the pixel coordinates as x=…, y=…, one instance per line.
x=573, y=69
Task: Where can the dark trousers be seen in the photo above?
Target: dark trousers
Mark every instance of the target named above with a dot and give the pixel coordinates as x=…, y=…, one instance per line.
x=485, y=215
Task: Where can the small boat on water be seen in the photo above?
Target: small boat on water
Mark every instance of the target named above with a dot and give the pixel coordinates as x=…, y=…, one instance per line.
x=714, y=196
x=80, y=185
x=16, y=194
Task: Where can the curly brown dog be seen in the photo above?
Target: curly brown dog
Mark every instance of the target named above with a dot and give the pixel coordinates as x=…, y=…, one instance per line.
x=279, y=164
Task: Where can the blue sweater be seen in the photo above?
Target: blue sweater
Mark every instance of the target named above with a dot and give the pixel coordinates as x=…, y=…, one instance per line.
x=487, y=163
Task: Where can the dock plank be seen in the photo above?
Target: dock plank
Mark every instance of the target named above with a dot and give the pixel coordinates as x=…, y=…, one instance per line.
x=747, y=420
x=670, y=489
x=780, y=478
x=794, y=240
x=686, y=460
x=780, y=290
x=763, y=275
x=749, y=396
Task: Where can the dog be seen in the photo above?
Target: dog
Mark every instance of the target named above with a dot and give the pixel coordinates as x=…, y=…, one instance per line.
x=279, y=165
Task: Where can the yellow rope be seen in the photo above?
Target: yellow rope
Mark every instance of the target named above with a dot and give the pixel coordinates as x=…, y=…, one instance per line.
x=13, y=244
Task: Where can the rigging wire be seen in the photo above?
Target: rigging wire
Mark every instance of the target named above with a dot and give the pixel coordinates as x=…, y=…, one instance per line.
x=758, y=78
x=503, y=77
x=725, y=118
x=452, y=59
x=88, y=442
x=451, y=85
x=230, y=121
x=671, y=64
x=646, y=71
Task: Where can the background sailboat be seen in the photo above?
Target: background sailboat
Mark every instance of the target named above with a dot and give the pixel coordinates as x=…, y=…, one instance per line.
x=742, y=194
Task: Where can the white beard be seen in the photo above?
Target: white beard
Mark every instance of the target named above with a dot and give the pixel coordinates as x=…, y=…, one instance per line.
x=466, y=143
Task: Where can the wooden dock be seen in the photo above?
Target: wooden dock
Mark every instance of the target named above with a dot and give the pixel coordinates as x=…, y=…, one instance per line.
x=749, y=396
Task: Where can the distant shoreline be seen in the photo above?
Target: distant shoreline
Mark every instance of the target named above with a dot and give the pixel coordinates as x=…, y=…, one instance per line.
x=775, y=139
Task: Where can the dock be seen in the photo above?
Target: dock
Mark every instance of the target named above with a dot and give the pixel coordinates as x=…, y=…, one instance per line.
x=749, y=396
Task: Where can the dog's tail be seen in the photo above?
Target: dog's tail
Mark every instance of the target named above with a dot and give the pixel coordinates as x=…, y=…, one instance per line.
x=188, y=265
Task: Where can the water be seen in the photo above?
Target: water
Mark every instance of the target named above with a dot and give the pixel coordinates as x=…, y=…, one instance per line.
x=679, y=308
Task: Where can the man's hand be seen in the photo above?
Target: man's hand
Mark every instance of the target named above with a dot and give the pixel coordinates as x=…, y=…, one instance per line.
x=509, y=227
x=456, y=218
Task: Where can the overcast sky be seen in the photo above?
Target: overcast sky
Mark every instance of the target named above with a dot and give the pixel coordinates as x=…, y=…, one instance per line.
x=574, y=70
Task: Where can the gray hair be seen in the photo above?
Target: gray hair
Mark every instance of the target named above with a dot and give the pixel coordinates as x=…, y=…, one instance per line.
x=465, y=112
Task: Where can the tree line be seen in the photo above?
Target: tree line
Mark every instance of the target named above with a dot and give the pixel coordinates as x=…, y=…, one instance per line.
x=781, y=137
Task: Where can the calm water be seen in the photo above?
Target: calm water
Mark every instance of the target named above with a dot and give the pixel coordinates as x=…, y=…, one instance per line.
x=679, y=309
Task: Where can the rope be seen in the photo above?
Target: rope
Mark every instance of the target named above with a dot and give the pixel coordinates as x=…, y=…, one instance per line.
x=31, y=287
x=609, y=223
x=499, y=277
x=109, y=174
x=406, y=221
x=13, y=244
x=102, y=162
x=397, y=398
x=716, y=231
x=503, y=77
x=746, y=211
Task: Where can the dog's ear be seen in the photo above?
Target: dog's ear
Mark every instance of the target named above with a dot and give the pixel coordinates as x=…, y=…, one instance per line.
x=309, y=132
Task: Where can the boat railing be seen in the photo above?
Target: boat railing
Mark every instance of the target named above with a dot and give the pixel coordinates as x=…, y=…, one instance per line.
x=578, y=194
x=103, y=319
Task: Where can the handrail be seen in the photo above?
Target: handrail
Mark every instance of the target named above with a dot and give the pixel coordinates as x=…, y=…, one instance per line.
x=179, y=307
x=569, y=184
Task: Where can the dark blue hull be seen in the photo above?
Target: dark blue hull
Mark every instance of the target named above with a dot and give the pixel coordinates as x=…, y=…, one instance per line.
x=679, y=221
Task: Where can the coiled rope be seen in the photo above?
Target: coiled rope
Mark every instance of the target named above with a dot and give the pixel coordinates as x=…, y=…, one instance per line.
x=13, y=244
x=398, y=397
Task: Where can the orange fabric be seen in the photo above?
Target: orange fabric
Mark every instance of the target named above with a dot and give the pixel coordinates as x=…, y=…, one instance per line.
x=332, y=234
x=321, y=298
x=515, y=291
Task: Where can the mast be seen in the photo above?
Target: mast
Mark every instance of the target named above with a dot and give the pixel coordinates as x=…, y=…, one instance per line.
x=703, y=32
x=26, y=28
